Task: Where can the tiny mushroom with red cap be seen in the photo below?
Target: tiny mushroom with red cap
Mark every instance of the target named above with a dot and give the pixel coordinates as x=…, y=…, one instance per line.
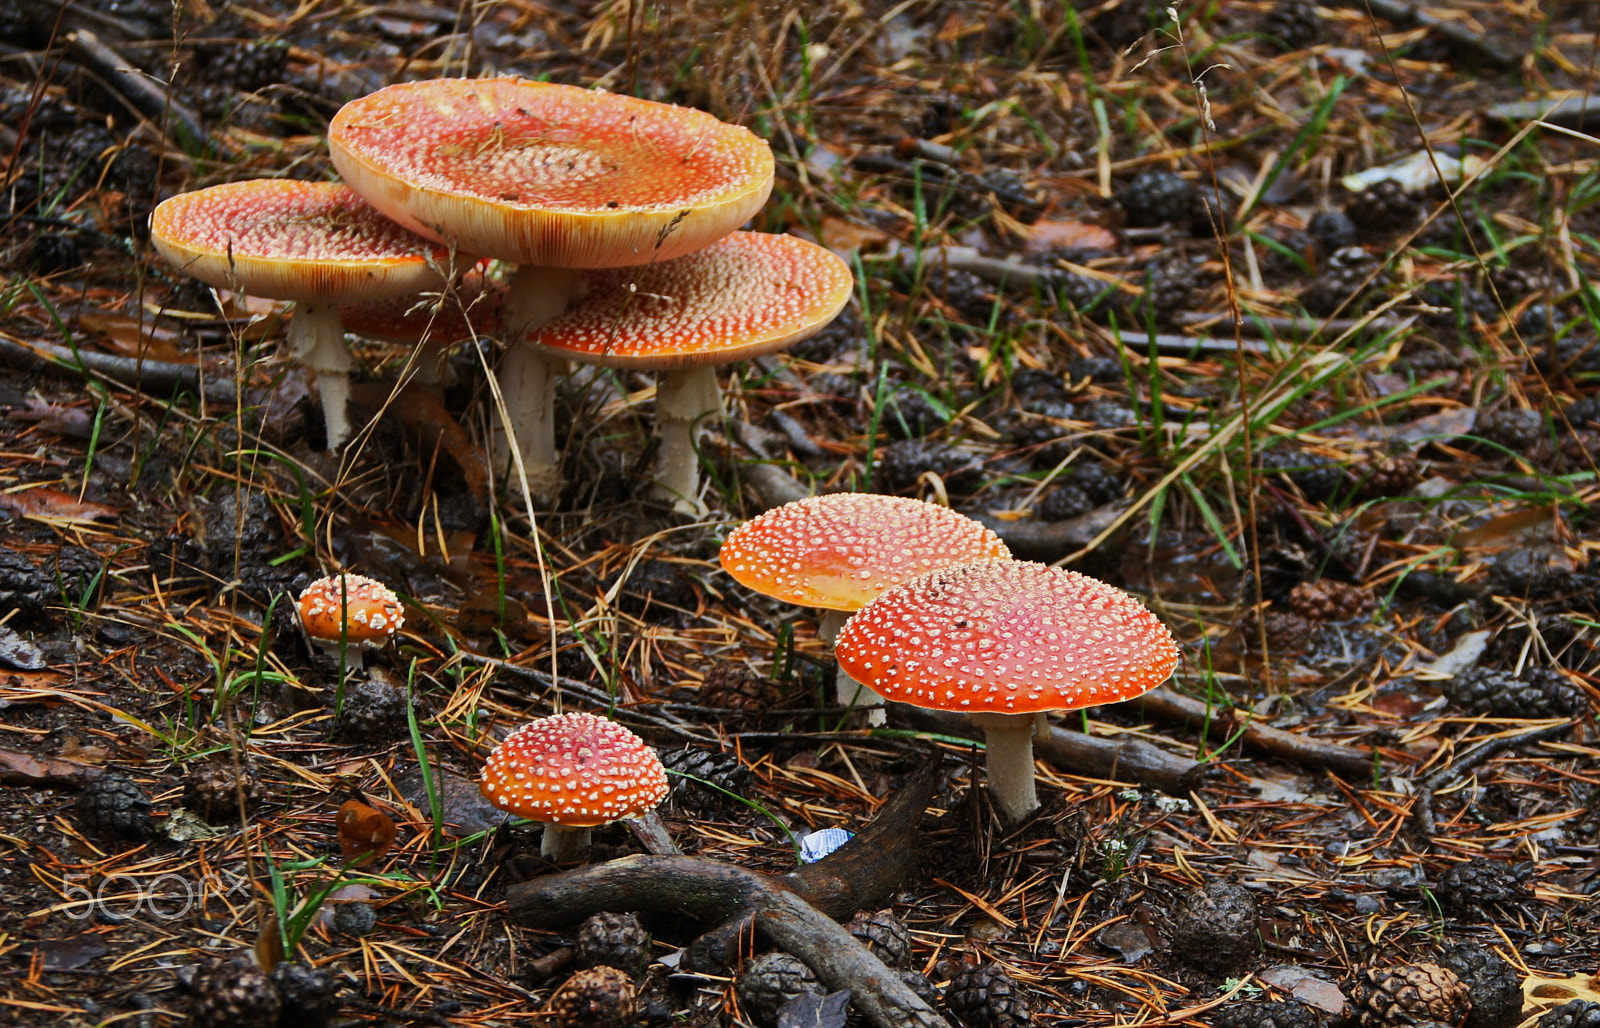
x=551, y=178
x=573, y=772
x=840, y=551
x=745, y=295
x=1004, y=641
x=347, y=610
x=316, y=243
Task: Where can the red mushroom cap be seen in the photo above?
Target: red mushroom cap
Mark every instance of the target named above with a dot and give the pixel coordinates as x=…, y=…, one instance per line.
x=744, y=295
x=577, y=770
x=1009, y=637
x=841, y=550
x=288, y=240
x=539, y=173
x=375, y=613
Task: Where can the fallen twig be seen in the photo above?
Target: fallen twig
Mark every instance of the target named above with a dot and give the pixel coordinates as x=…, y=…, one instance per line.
x=1176, y=708
x=153, y=101
x=158, y=378
x=795, y=911
x=1455, y=35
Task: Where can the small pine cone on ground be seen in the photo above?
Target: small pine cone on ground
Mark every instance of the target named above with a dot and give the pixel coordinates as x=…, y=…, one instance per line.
x=1267, y=1013
x=113, y=807
x=613, y=940
x=213, y=791
x=1286, y=630
x=711, y=771
x=374, y=713
x=1343, y=284
x=1384, y=207
x=310, y=995
x=885, y=935
x=731, y=686
x=1390, y=997
x=1215, y=928
x=1515, y=428
x=1327, y=600
x=1539, y=693
x=986, y=996
x=1293, y=23
x=233, y=994
x=1158, y=197
x=1493, y=986
x=1316, y=476
x=1480, y=886
x=597, y=997
x=769, y=981
x=1385, y=476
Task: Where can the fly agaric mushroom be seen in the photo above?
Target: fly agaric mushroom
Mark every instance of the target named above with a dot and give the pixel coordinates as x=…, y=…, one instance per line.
x=350, y=610
x=745, y=295
x=840, y=551
x=573, y=772
x=551, y=178
x=1004, y=641
x=316, y=243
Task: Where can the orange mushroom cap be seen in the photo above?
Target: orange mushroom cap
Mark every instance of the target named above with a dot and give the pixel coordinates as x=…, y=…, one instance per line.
x=840, y=551
x=288, y=240
x=744, y=295
x=577, y=770
x=545, y=174
x=1006, y=636
x=375, y=613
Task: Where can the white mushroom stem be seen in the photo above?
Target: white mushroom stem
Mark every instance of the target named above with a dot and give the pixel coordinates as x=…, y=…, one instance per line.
x=683, y=397
x=847, y=691
x=1008, y=753
x=431, y=366
x=562, y=844
x=537, y=296
x=355, y=655
x=317, y=338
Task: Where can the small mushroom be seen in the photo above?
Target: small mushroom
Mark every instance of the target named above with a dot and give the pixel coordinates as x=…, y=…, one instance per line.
x=1004, y=641
x=316, y=243
x=573, y=772
x=840, y=551
x=344, y=610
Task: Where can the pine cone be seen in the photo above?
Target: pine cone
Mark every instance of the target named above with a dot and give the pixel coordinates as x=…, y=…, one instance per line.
x=1574, y=1013
x=113, y=807
x=1158, y=197
x=970, y=296
x=1383, y=207
x=1515, y=428
x=233, y=994
x=1333, y=230
x=24, y=588
x=599, y=997
x=902, y=464
x=1317, y=477
x=986, y=996
x=1389, y=475
x=731, y=686
x=1214, y=928
x=374, y=713
x=310, y=995
x=769, y=981
x=1493, y=986
x=1266, y=1013
x=714, y=771
x=1327, y=600
x=613, y=940
x=1286, y=631
x=1478, y=884
x=1539, y=693
x=910, y=414
x=1293, y=23
x=1339, y=285
x=920, y=984
x=1170, y=287
x=1385, y=997
x=213, y=790
x=885, y=935
x=1064, y=503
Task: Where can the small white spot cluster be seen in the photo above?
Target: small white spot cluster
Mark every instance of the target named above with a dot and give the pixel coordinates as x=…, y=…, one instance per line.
x=841, y=550
x=1006, y=636
x=574, y=769
x=274, y=219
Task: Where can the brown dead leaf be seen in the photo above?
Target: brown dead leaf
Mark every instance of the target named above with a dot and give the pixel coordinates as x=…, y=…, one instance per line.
x=1518, y=528
x=19, y=768
x=843, y=236
x=44, y=502
x=365, y=833
x=134, y=337
x=1046, y=235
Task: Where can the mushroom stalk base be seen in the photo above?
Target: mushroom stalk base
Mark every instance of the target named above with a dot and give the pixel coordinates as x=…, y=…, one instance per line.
x=317, y=338
x=563, y=844
x=682, y=399
x=1008, y=754
x=852, y=694
x=537, y=296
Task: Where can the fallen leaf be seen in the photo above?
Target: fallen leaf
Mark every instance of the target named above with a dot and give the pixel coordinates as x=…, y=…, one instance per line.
x=44, y=502
x=17, y=652
x=465, y=811
x=1306, y=987
x=1544, y=993
x=1127, y=939
x=19, y=768
x=1445, y=426
x=365, y=834
x=135, y=337
x=66, y=954
x=843, y=236
x=1044, y=236
x=1518, y=528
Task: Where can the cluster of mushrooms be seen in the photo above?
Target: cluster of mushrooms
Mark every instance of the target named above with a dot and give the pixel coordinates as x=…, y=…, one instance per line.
x=620, y=217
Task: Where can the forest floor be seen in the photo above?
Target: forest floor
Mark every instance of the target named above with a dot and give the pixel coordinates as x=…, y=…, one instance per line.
x=1129, y=290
